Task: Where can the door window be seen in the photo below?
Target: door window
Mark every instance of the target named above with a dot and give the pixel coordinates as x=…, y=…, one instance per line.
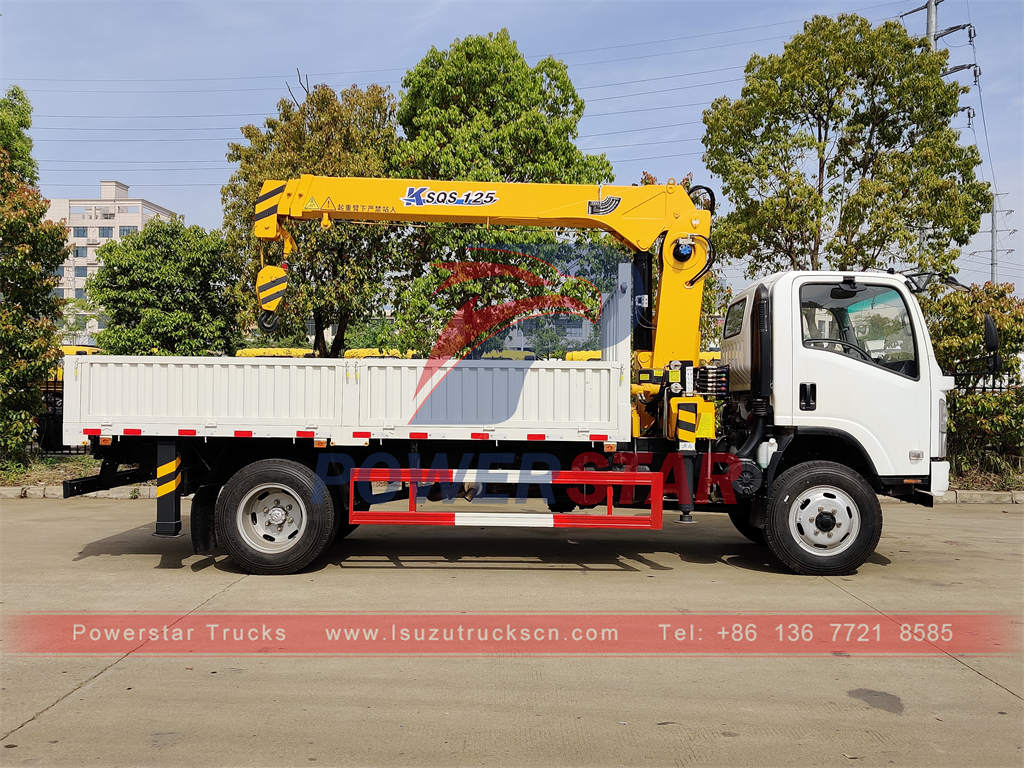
x=870, y=323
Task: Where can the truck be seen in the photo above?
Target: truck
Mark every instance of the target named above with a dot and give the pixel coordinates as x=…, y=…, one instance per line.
x=826, y=394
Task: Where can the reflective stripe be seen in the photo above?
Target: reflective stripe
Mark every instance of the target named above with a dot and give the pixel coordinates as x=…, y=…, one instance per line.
x=272, y=284
x=525, y=520
x=269, y=212
x=264, y=299
x=168, y=468
x=169, y=486
x=269, y=194
x=532, y=476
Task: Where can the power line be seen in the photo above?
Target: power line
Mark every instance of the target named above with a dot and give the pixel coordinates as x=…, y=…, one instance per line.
x=105, y=166
x=121, y=141
x=648, y=109
x=397, y=69
x=637, y=130
x=668, y=90
x=129, y=161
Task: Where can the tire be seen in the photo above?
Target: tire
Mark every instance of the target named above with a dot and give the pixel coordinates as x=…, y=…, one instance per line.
x=823, y=519
x=274, y=516
x=740, y=516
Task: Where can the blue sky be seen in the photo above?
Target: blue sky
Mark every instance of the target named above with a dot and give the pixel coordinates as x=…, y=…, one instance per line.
x=149, y=93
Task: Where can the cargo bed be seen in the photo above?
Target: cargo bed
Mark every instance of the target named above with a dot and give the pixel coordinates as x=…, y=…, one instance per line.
x=351, y=401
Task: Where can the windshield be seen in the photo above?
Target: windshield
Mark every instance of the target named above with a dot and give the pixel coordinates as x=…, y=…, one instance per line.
x=870, y=323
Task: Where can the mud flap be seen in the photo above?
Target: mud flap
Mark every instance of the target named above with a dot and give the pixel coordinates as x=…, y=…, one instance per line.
x=201, y=526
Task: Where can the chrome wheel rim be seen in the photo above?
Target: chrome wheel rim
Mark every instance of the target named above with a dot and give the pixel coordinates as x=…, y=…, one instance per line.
x=271, y=518
x=824, y=520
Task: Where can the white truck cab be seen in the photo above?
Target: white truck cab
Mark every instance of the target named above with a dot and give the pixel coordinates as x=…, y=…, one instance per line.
x=851, y=373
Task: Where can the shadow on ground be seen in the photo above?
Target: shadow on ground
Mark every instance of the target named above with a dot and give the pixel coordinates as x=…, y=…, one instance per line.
x=413, y=547
x=711, y=540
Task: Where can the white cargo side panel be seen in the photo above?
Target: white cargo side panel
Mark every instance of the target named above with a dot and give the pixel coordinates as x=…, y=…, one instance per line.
x=215, y=396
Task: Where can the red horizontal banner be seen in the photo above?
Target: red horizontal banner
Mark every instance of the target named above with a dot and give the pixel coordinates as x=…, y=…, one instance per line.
x=573, y=634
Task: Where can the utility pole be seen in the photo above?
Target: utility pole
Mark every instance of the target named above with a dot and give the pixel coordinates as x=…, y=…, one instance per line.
x=933, y=13
x=995, y=250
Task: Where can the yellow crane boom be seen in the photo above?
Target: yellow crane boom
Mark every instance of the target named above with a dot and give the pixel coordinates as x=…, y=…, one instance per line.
x=636, y=215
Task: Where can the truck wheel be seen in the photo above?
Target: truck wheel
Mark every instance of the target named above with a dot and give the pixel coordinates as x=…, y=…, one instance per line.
x=274, y=516
x=740, y=516
x=823, y=519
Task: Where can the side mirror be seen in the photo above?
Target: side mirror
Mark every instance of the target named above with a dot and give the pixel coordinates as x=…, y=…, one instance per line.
x=991, y=334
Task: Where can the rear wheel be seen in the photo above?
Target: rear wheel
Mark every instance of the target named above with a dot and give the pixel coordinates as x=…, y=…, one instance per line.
x=274, y=516
x=822, y=519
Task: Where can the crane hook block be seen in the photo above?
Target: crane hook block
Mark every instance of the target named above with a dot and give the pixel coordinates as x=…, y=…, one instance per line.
x=271, y=283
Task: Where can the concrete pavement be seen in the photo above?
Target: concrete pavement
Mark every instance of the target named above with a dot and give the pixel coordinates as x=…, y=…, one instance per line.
x=99, y=555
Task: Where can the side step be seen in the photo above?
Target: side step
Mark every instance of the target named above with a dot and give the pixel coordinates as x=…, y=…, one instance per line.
x=417, y=477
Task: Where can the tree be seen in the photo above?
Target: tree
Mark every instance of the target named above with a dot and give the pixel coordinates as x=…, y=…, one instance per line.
x=956, y=321
x=839, y=153
x=337, y=275
x=31, y=250
x=15, y=120
x=478, y=111
x=167, y=290
x=986, y=427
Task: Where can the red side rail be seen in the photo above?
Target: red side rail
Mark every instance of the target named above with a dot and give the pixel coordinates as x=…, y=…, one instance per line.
x=418, y=477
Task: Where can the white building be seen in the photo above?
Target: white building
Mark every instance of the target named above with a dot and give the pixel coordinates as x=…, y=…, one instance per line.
x=91, y=222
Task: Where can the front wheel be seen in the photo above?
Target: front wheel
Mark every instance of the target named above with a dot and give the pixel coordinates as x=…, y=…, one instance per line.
x=274, y=516
x=823, y=519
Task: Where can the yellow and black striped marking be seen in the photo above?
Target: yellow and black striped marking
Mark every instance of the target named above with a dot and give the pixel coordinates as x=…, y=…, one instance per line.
x=271, y=283
x=266, y=203
x=168, y=488
x=686, y=422
x=168, y=477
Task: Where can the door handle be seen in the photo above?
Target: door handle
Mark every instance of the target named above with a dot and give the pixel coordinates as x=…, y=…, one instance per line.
x=808, y=396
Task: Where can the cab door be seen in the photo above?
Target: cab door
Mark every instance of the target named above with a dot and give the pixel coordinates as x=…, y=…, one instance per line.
x=859, y=368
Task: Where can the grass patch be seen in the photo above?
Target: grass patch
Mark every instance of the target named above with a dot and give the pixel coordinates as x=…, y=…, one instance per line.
x=48, y=470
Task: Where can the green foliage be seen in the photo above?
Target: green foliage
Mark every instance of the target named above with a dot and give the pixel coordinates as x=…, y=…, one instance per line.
x=956, y=322
x=336, y=276
x=839, y=154
x=370, y=332
x=986, y=428
x=166, y=291
x=478, y=111
x=15, y=120
x=428, y=307
x=31, y=249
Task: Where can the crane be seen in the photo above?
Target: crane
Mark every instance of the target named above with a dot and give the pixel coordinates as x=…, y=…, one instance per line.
x=638, y=216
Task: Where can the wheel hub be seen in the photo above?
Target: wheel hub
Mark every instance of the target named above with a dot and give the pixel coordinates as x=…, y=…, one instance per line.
x=271, y=518
x=824, y=520
x=276, y=516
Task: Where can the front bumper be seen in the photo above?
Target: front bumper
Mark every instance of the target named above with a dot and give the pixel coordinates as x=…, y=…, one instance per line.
x=939, y=481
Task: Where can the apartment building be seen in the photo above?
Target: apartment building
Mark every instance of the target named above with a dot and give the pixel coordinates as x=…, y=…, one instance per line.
x=91, y=222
